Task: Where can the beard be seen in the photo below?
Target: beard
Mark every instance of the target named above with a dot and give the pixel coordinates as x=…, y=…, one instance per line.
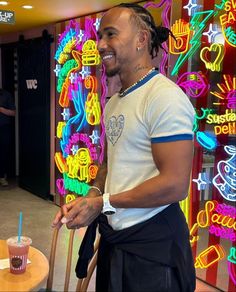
x=112, y=72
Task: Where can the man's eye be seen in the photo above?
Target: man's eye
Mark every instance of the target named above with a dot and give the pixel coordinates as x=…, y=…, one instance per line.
x=110, y=34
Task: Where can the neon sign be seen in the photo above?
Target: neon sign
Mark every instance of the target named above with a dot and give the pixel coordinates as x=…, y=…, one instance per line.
x=225, y=180
x=229, y=117
x=194, y=84
x=90, y=54
x=73, y=185
x=69, y=198
x=227, y=94
x=228, y=21
x=201, y=181
x=190, y=7
x=197, y=24
x=232, y=255
x=209, y=256
x=206, y=140
x=199, y=117
x=211, y=33
x=60, y=187
x=207, y=217
x=181, y=31
x=217, y=64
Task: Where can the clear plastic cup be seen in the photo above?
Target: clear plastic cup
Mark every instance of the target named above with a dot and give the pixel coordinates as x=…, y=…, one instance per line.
x=18, y=253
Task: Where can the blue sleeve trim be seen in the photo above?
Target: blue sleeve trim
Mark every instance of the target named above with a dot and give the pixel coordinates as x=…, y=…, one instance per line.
x=172, y=138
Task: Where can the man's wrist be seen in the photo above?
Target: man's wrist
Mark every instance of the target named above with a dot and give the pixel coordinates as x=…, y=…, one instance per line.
x=94, y=192
x=107, y=208
x=96, y=189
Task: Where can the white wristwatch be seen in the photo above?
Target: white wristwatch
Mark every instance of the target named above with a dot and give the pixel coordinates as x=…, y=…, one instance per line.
x=107, y=207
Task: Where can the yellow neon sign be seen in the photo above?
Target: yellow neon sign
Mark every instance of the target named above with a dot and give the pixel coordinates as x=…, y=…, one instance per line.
x=226, y=93
x=228, y=21
x=84, y=160
x=206, y=217
x=60, y=162
x=69, y=198
x=217, y=64
x=181, y=31
x=229, y=117
x=90, y=54
x=60, y=127
x=92, y=104
x=193, y=231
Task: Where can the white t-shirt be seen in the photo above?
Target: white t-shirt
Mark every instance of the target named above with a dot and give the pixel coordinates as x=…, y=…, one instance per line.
x=155, y=111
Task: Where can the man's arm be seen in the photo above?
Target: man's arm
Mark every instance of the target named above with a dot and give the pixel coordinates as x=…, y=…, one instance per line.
x=86, y=207
x=174, y=161
x=7, y=112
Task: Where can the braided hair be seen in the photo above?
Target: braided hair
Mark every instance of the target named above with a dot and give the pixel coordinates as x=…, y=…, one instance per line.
x=144, y=19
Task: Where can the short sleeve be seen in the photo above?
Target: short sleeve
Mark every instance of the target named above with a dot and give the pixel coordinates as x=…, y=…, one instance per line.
x=170, y=116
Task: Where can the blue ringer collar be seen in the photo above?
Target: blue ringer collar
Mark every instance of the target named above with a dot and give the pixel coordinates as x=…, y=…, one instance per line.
x=142, y=82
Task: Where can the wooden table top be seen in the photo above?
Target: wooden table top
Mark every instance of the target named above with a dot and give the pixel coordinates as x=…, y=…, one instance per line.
x=34, y=277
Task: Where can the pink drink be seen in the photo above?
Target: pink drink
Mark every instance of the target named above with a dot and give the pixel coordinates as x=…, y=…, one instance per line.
x=18, y=253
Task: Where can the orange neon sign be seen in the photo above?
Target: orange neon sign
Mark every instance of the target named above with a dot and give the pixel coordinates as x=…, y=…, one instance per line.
x=181, y=31
x=209, y=256
x=60, y=162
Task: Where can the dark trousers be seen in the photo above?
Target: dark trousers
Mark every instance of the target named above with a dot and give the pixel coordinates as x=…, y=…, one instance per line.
x=152, y=256
x=4, y=148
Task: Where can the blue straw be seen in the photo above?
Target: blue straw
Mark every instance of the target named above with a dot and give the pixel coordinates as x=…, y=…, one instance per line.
x=20, y=226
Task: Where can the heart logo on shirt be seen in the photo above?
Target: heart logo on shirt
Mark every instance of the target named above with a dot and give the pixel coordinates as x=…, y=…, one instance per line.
x=114, y=128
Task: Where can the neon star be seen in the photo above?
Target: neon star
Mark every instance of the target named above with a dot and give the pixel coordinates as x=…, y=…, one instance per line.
x=190, y=6
x=97, y=23
x=57, y=69
x=74, y=149
x=201, y=181
x=66, y=114
x=94, y=137
x=211, y=33
x=84, y=72
x=80, y=35
x=73, y=77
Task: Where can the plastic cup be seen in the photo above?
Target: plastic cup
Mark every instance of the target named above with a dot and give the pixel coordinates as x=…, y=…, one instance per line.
x=18, y=253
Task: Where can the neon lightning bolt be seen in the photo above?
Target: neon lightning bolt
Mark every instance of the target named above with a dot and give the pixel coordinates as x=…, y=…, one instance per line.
x=197, y=27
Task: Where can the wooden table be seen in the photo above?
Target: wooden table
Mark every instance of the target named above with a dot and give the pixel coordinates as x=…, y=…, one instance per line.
x=34, y=277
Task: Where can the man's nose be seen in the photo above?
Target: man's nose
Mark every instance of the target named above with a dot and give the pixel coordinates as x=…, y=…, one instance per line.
x=102, y=45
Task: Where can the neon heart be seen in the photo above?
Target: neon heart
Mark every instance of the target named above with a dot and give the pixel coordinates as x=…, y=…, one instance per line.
x=216, y=65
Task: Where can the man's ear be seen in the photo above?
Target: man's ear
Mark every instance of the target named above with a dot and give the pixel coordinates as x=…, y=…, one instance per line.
x=142, y=39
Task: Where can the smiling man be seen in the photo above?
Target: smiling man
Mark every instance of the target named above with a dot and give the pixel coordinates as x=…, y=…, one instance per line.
x=144, y=236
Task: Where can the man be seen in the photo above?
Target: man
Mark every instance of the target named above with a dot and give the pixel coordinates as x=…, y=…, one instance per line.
x=144, y=236
x=7, y=110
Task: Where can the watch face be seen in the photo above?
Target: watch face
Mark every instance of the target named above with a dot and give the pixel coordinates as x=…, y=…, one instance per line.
x=110, y=212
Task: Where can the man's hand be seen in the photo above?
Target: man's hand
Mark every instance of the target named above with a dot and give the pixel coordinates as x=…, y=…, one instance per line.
x=78, y=213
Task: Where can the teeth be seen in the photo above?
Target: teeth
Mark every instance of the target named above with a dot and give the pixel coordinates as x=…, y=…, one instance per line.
x=107, y=57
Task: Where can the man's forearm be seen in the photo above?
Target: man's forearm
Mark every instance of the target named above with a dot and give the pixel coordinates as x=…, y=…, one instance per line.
x=7, y=112
x=99, y=182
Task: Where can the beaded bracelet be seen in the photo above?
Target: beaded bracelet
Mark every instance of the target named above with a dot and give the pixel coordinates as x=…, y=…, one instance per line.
x=96, y=188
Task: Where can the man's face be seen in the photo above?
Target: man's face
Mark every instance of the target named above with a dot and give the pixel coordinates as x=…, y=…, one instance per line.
x=117, y=41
